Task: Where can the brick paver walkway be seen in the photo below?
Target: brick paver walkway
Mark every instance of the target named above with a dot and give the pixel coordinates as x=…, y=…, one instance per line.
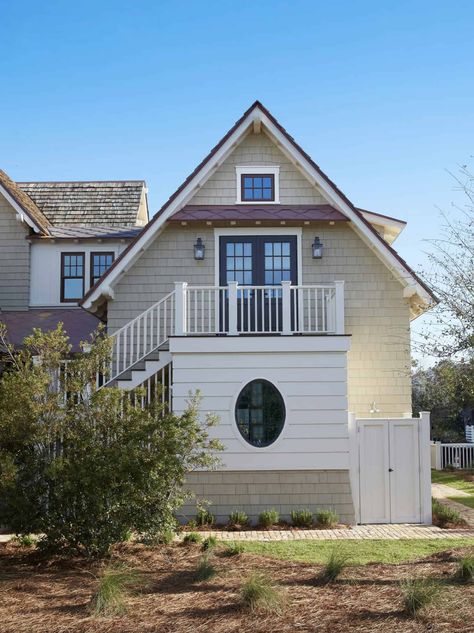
x=443, y=492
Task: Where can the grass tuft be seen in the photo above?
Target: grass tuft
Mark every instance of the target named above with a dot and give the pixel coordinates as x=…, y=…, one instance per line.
x=327, y=518
x=205, y=570
x=335, y=565
x=259, y=593
x=209, y=543
x=418, y=593
x=302, y=518
x=443, y=515
x=465, y=569
x=111, y=592
x=24, y=540
x=238, y=519
x=234, y=548
x=269, y=518
x=192, y=537
x=204, y=518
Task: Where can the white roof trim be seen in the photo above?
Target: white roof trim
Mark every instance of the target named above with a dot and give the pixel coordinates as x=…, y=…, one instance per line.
x=394, y=265
x=22, y=216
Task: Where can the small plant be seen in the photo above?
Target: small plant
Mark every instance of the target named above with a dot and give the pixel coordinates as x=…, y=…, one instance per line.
x=109, y=598
x=269, y=518
x=192, y=537
x=465, y=570
x=302, y=518
x=209, y=543
x=24, y=540
x=234, y=548
x=192, y=524
x=417, y=593
x=260, y=593
x=327, y=518
x=238, y=519
x=204, y=517
x=444, y=515
x=335, y=565
x=205, y=570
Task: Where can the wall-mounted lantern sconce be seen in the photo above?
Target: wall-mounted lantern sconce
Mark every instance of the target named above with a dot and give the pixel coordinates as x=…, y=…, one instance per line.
x=199, y=249
x=317, y=248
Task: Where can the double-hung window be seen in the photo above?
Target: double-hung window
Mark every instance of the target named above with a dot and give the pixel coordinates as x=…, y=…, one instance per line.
x=100, y=263
x=72, y=276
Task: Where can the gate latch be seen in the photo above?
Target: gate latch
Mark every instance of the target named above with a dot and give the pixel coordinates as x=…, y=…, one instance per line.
x=390, y=470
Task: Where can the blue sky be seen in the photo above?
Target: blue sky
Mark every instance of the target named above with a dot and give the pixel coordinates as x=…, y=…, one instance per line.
x=380, y=94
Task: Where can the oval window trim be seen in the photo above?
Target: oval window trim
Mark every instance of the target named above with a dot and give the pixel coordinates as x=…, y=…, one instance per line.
x=254, y=436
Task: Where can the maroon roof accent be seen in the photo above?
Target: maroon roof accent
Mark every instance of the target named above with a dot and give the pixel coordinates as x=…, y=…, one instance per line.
x=78, y=323
x=254, y=105
x=269, y=212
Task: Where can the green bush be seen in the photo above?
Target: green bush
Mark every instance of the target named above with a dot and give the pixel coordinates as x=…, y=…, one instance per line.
x=192, y=537
x=204, y=517
x=269, y=518
x=234, y=548
x=465, y=569
x=205, y=570
x=84, y=467
x=24, y=540
x=302, y=518
x=238, y=519
x=327, y=518
x=259, y=593
x=335, y=565
x=109, y=597
x=209, y=543
x=444, y=515
x=418, y=593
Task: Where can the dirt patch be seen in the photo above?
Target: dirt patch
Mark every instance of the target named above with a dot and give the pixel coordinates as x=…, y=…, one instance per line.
x=38, y=596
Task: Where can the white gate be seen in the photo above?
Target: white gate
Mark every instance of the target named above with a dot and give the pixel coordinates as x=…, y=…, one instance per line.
x=390, y=470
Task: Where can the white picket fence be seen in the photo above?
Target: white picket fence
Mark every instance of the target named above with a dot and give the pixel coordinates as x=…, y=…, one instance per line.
x=459, y=455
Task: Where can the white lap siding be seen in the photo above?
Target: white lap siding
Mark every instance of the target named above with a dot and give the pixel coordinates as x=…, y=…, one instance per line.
x=310, y=374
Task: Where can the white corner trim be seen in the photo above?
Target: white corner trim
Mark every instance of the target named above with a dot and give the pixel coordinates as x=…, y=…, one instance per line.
x=21, y=216
x=236, y=231
x=270, y=170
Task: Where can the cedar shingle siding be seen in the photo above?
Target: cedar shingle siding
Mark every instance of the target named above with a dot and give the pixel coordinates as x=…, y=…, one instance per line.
x=87, y=203
x=14, y=260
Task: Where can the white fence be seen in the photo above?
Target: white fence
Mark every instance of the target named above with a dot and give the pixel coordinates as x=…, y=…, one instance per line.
x=452, y=455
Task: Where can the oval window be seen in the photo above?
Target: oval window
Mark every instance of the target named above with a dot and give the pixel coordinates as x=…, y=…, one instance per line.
x=260, y=413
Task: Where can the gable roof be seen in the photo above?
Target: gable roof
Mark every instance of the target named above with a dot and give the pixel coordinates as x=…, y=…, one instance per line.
x=23, y=204
x=257, y=116
x=97, y=203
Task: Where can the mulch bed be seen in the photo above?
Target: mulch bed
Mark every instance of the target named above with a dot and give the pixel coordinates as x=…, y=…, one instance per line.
x=38, y=596
x=278, y=527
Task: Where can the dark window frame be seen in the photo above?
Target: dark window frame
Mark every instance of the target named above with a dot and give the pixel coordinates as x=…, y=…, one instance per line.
x=257, y=200
x=63, y=277
x=278, y=425
x=91, y=264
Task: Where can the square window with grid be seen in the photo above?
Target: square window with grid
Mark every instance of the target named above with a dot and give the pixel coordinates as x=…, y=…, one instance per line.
x=257, y=187
x=100, y=263
x=72, y=276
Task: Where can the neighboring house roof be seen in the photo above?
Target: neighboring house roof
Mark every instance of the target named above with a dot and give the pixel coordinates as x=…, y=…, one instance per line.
x=257, y=116
x=87, y=232
x=100, y=203
x=78, y=324
x=23, y=204
x=198, y=213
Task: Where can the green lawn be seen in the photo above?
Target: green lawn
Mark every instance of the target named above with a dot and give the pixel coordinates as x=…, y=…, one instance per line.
x=361, y=552
x=466, y=501
x=453, y=479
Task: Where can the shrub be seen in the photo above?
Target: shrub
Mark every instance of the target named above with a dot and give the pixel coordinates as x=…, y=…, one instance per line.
x=260, y=593
x=209, y=543
x=268, y=518
x=204, y=517
x=192, y=524
x=465, y=570
x=234, y=548
x=205, y=570
x=302, y=518
x=238, y=519
x=444, y=515
x=327, y=518
x=84, y=466
x=109, y=598
x=24, y=540
x=335, y=564
x=192, y=537
x=418, y=593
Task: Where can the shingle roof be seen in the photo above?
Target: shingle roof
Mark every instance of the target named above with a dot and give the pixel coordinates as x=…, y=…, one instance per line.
x=270, y=212
x=100, y=203
x=25, y=202
x=85, y=232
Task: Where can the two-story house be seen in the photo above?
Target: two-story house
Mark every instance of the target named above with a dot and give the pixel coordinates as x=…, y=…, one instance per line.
x=56, y=240
x=261, y=284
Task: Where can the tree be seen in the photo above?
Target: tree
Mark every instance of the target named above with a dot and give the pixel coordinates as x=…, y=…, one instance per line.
x=83, y=465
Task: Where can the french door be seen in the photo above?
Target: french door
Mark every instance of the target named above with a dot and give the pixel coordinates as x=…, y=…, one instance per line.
x=255, y=262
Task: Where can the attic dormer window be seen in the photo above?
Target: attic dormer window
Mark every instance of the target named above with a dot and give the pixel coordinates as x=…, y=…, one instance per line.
x=257, y=185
